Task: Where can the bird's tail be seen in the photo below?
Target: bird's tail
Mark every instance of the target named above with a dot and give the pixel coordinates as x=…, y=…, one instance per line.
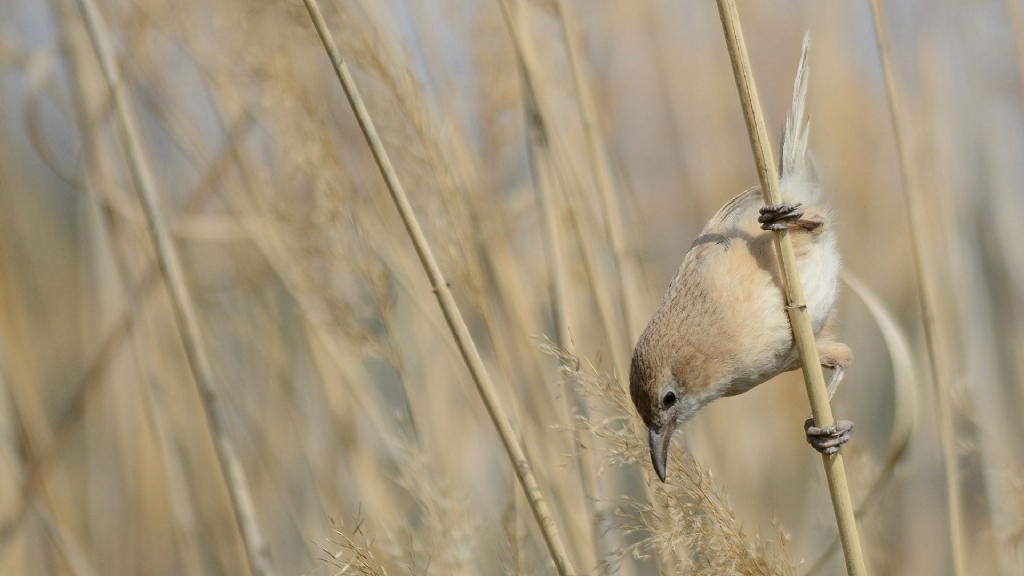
x=798, y=170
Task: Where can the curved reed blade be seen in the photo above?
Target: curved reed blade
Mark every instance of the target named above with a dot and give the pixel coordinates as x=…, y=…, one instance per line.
x=905, y=401
x=926, y=297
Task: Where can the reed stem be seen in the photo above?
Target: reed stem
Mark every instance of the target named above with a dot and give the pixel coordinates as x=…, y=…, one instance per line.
x=243, y=509
x=460, y=332
x=544, y=184
x=625, y=258
x=926, y=298
x=803, y=333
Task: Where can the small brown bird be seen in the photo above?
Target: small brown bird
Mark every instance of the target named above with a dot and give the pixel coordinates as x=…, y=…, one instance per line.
x=722, y=327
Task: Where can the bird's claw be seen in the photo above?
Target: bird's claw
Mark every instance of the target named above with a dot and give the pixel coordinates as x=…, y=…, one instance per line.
x=828, y=440
x=777, y=216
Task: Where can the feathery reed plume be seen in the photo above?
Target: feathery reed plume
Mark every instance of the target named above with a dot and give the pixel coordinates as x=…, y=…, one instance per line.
x=696, y=516
x=689, y=519
x=803, y=333
x=441, y=533
x=460, y=332
x=243, y=509
x=356, y=555
x=926, y=297
x=438, y=537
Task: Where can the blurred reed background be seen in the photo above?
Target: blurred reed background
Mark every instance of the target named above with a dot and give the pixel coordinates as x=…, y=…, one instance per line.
x=362, y=443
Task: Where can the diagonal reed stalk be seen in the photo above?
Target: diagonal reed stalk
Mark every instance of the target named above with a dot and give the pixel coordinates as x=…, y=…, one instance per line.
x=93, y=176
x=926, y=298
x=42, y=502
x=243, y=508
x=452, y=315
x=803, y=333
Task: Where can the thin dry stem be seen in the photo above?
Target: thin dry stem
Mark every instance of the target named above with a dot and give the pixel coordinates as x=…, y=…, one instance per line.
x=187, y=320
x=625, y=257
x=356, y=554
x=926, y=297
x=452, y=315
x=544, y=183
x=803, y=333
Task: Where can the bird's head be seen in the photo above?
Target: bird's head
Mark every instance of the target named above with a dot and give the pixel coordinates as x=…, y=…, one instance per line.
x=664, y=397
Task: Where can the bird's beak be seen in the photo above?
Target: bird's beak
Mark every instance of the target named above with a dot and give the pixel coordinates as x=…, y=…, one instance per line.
x=661, y=438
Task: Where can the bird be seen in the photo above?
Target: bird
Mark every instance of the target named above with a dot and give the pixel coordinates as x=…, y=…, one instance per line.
x=722, y=326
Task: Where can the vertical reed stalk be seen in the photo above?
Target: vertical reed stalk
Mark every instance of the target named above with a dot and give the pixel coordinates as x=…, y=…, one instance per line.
x=904, y=404
x=544, y=184
x=541, y=167
x=803, y=333
x=243, y=508
x=568, y=183
x=1013, y=8
x=625, y=258
x=526, y=64
x=452, y=315
x=926, y=297
x=585, y=236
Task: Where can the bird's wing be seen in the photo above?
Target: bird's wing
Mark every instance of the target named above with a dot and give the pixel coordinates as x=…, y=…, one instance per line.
x=737, y=218
x=738, y=215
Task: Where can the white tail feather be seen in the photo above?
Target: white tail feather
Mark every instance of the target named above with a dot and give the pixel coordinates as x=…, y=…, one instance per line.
x=797, y=168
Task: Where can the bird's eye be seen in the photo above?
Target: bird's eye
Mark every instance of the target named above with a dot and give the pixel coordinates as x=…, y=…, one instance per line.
x=669, y=400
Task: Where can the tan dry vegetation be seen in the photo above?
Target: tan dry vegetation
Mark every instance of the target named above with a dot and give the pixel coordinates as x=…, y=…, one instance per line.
x=364, y=446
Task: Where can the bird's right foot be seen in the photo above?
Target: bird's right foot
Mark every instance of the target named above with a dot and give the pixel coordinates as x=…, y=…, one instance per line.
x=777, y=216
x=828, y=440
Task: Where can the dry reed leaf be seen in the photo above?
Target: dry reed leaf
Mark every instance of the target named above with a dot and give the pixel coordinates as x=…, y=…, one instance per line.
x=897, y=344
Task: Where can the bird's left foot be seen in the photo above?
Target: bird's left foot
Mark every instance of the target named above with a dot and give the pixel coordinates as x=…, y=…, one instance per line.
x=828, y=440
x=777, y=216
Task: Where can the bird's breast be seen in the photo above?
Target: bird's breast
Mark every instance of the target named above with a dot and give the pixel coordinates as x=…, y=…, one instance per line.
x=819, y=275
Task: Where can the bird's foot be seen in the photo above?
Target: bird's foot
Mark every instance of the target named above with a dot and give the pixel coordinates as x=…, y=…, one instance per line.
x=828, y=440
x=777, y=216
